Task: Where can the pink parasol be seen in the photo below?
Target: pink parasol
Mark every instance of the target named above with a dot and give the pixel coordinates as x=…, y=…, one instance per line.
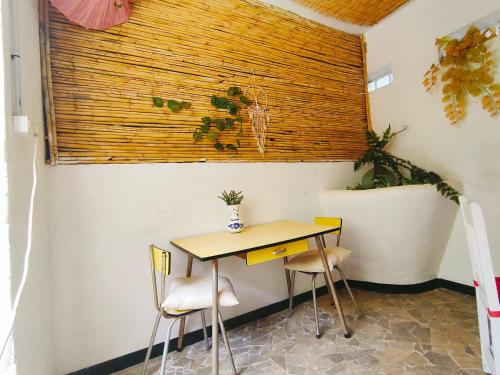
x=94, y=14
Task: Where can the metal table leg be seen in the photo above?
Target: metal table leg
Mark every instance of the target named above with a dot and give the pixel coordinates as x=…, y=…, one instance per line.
x=215, y=311
x=329, y=279
x=182, y=323
x=287, y=275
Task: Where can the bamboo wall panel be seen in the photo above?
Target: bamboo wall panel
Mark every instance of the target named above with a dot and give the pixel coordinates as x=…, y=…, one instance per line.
x=101, y=83
x=360, y=12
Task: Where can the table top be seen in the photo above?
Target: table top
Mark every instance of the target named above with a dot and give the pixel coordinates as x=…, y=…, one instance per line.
x=222, y=244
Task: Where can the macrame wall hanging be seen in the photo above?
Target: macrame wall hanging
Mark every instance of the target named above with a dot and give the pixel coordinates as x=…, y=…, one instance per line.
x=257, y=113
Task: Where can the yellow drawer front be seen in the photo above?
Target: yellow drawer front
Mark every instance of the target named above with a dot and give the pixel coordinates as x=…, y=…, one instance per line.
x=276, y=252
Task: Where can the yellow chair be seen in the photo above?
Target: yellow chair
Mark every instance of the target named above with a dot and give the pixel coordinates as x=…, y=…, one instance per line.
x=186, y=296
x=310, y=263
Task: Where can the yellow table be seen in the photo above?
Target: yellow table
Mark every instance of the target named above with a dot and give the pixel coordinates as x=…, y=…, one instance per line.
x=213, y=246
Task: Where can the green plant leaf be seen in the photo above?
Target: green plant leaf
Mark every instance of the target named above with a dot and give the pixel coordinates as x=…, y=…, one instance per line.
x=229, y=123
x=232, y=108
x=197, y=135
x=219, y=102
x=185, y=105
x=245, y=100
x=212, y=135
x=232, y=197
x=157, y=101
x=234, y=90
x=389, y=170
x=383, y=175
x=223, y=103
x=238, y=143
x=220, y=124
x=174, y=105
x=205, y=128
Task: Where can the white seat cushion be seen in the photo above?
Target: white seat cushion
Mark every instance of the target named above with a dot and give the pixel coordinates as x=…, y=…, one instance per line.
x=192, y=293
x=311, y=262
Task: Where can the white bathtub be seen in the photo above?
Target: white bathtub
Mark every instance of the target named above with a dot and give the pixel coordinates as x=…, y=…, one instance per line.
x=398, y=234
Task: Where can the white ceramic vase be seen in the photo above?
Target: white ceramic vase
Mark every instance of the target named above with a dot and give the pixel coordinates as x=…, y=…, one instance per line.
x=235, y=225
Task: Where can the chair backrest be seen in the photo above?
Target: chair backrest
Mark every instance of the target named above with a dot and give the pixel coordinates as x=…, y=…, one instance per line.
x=331, y=222
x=160, y=269
x=479, y=251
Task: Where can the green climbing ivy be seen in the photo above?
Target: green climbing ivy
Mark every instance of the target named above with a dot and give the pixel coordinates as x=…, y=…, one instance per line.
x=173, y=105
x=213, y=128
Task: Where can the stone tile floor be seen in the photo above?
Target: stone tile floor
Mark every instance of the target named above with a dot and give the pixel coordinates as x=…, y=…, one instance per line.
x=430, y=333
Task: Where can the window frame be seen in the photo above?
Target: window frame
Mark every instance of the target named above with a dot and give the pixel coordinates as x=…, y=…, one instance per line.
x=380, y=78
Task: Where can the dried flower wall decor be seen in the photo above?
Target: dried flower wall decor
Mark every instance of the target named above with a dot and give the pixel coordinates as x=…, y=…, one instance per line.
x=466, y=68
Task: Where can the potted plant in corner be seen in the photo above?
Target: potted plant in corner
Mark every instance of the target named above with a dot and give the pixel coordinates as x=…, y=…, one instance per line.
x=397, y=219
x=233, y=200
x=389, y=170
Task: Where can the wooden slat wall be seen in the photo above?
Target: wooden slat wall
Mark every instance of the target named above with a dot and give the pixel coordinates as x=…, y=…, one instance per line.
x=102, y=83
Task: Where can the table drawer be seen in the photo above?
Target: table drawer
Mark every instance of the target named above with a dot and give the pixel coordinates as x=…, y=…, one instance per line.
x=276, y=252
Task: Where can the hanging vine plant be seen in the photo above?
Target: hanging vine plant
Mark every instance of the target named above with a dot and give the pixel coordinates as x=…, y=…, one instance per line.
x=173, y=105
x=466, y=68
x=213, y=128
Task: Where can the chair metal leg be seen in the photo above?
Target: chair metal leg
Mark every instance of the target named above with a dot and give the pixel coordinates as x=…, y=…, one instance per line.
x=329, y=291
x=329, y=276
x=165, y=347
x=204, y=324
x=226, y=342
x=290, y=296
x=182, y=324
x=151, y=342
x=315, y=303
x=341, y=273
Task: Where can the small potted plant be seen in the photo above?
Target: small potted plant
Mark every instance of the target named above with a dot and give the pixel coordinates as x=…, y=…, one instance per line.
x=233, y=200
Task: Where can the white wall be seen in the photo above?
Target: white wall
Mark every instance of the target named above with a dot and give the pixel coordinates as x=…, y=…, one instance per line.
x=470, y=152
x=103, y=217
x=33, y=328
x=7, y=362
x=100, y=283
x=100, y=279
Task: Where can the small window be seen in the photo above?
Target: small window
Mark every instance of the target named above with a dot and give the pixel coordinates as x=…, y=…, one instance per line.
x=495, y=25
x=380, y=78
x=491, y=20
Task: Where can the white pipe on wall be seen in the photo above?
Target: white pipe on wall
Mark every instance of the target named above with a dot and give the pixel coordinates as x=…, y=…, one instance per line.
x=17, y=120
